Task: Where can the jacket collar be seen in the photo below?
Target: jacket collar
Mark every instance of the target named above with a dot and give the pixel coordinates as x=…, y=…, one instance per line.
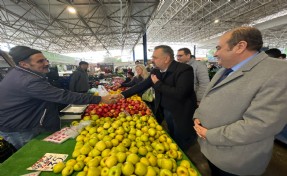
x=245, y=68
x=30, y=71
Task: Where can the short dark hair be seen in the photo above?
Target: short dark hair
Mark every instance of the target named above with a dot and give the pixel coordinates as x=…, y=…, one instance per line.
x=83, y=63
x=131, y=73
x=273, y=52
x=185, y=50
x=283, y=55
x=166, y=49
x=251, y=35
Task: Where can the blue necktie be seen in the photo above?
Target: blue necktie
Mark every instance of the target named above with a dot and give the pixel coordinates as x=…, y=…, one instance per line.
x=224, y=75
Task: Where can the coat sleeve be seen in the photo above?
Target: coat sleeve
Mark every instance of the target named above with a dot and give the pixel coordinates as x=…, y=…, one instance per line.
x=265, y=116
x=138, y=88
x=183, y=86
x=131, y=83
x=73, y=81
x=40, y=89
x=202, y=79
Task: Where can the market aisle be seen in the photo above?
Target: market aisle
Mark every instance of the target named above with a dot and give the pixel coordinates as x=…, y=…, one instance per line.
x=277, y=165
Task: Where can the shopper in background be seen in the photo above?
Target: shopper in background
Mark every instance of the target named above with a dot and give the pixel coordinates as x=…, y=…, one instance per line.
x=273, y=52
x=201, y=77
x=142, y=74
x=239, y=116
x=79, y=81
x=174, y=95
x=130, y=76
x=26, y=98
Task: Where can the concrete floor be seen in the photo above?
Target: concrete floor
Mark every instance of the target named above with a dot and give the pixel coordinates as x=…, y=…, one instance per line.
x=276, y=167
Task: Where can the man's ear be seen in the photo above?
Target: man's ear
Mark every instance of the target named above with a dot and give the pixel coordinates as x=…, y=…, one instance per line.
x=241, y=46
x=23, y=64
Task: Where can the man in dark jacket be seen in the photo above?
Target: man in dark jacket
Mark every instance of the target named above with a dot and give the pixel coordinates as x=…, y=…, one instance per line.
x=79, y=81
x=174, y=95
x=26, y=98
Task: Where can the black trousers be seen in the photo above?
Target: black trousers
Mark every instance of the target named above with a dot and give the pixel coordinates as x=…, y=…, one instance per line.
x=215, y=171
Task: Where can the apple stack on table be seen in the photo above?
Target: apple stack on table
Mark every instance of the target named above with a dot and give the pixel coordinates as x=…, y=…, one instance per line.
x=132, y=105
x=126, y=145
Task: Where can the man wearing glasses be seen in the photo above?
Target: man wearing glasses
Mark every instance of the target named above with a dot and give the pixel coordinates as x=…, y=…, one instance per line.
x=201, y=78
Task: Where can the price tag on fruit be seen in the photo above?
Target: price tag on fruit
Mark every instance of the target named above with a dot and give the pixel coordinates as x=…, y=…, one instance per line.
x=47, y=162
x=58, y=137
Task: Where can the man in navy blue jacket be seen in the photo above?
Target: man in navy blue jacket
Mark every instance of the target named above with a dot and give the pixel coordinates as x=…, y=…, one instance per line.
x=174, y=95
x=26, y=98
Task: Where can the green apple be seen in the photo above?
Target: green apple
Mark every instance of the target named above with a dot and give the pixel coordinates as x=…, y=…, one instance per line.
x=128, y=168
x=81, y=158
x=165, y=172
x=93, y=162
x=134, y=150
x=71, y=162
x=111, y=161
x=106, y=153
x=166, y=146
x=101, y=145
x=105, y=171
x=138, y=133
x=140, y=169
x=139, y=143
x=152, y=159
x=87, y=159
x=115, y=142
x=115, y=170
x=93, y=141
x=145, y=161
x=82, y=173
x=185, y=163
x=95, y=152
x=126, y=142
x=121, y=156
x=92, y=130
x=151, y=171
x=103, y=162
x=68, y=170
x=133, y=158
x=182, y=171
x=144, y=138
x=149, y=148
x=166, y=164
x=121, y=148
x=94, y=117
x=85, y=149
x=93, y=171
x=107, y=138
x=160, y=148
x=172, y=154
x=107, y=125
x=192, y=171
x=132, y=137
x=173, y=146
x=142, y=150
x=58, y=167
x=76, y=153
x=79, y=166
x=119, y=137
x=151, y=132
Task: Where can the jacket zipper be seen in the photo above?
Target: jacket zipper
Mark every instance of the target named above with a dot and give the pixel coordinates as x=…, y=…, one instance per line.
x=42, y=118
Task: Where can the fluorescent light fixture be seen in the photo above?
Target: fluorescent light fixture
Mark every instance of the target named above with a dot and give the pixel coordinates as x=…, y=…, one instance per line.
x=71, y=9
x=216, y=21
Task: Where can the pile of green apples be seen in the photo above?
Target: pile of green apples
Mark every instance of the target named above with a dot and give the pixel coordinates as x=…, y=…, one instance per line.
x=127, y=145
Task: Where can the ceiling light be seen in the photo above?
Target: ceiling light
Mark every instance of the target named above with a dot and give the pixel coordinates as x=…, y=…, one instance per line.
x=216, y=21
x=71, y=9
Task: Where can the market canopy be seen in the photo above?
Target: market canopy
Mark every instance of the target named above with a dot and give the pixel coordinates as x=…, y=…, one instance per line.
x=120, y=24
